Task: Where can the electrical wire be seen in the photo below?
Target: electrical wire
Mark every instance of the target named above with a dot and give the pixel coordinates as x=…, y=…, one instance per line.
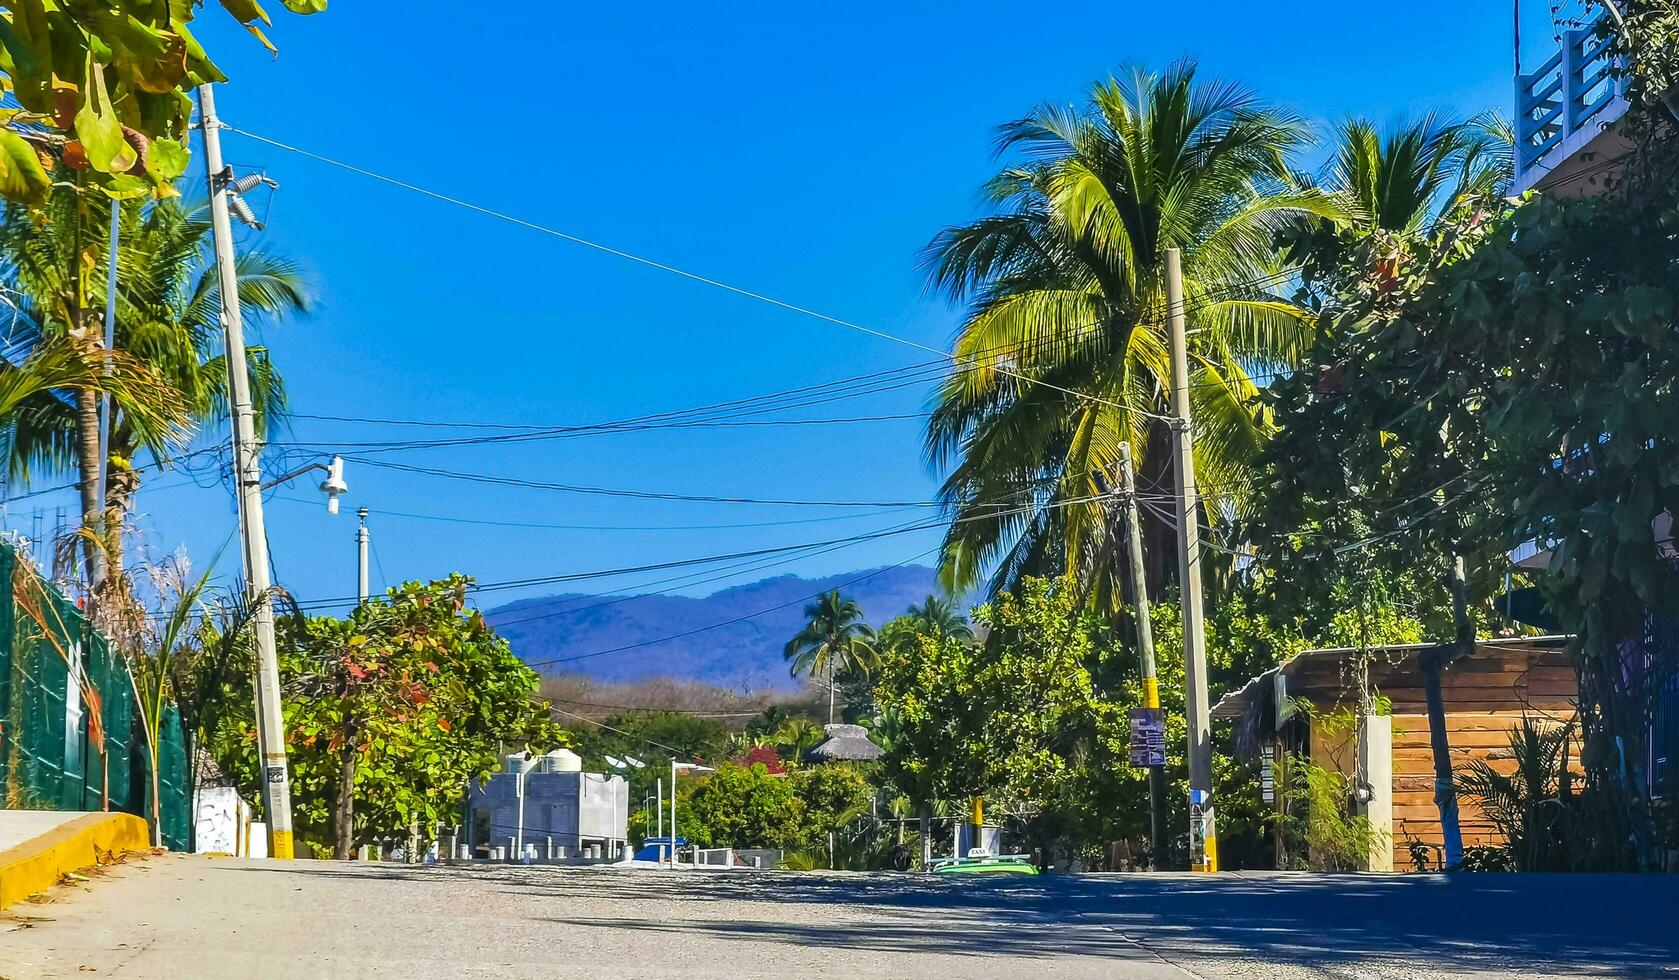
x=728, y=622
x=663, y=266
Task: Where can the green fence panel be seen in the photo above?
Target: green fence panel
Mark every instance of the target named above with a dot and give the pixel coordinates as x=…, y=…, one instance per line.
x=73, y=741
x=173, y=790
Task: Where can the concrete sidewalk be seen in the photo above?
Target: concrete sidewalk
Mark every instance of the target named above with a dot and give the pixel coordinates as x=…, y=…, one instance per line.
x=174, y=916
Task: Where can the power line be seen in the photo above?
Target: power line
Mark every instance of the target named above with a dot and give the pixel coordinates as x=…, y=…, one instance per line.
x=729, y=622
x=661, y=266
x=542, y=525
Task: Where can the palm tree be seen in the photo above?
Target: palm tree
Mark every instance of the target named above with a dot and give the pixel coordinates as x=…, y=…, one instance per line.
x=798, y=736
x=168, y=318
x=834, y=638
x=1064, y=284
x=940, y=616
x=1405, y=179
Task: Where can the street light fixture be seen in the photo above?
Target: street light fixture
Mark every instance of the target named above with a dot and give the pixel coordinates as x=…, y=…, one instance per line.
x=676, y=767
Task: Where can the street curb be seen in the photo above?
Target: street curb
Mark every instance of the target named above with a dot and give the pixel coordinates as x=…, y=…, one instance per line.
x=38, y=863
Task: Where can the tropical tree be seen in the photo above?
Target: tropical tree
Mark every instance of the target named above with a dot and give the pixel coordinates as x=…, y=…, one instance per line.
x=936, y=615
x=103, y=88
x=1063, y=353
x=168, y=319
x=834, y=638
x=1403, y=180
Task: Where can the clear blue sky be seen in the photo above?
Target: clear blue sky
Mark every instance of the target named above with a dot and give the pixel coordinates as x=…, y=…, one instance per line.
x=806, y=152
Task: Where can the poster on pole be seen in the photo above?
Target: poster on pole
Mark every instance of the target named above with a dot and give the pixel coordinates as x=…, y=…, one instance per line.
x=1148, y=737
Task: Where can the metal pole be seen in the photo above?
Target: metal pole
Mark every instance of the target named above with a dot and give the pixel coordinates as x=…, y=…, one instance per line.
x=1145, y=648
x=519, y=791
x=673, y=811
x=361, y=556
x=110, y=341
x=1202, y=835
x=247, y=474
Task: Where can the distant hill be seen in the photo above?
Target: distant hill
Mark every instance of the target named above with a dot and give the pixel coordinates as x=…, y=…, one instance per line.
x=672, y=636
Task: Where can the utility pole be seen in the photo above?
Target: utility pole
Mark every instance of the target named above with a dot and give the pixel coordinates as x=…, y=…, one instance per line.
x=247, y=475
x=1203, y=840
x=361, y=556
x=1161, y=847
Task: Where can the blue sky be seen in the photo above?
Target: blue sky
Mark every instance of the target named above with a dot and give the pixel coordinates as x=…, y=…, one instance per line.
x=802, y=151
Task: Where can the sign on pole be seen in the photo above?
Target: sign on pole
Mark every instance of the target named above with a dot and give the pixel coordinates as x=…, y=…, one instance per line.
x=1148, y=737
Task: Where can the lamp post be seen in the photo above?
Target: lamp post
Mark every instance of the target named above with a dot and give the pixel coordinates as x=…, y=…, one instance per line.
x=628, y=764
x=525, y=766
x=676, y=767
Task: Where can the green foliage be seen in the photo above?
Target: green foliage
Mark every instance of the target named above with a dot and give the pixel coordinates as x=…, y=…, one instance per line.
x=104, y=88
x=748, y=806
x=1064, y=280
x=834, y=641
x=1534, y=806
x=1506, y=380
x=741, y=806
x=1487, y=857
x=415, y=690
x=1319, y=818
x=168, y=319
x=1648, y=45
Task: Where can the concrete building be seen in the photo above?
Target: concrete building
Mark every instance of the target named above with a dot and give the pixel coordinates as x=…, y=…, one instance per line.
x=547, y=808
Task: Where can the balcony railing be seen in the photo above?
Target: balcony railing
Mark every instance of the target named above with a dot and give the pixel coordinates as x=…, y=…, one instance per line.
x=1577, y=91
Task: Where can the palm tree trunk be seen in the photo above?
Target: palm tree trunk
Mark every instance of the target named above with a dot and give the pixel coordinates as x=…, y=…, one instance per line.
x=830, y=690
x=87, y=462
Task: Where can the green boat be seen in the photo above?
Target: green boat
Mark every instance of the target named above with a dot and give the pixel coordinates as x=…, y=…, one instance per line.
x=981, y=862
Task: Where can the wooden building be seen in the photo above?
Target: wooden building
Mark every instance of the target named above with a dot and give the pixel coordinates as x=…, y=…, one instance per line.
x=1387, y=748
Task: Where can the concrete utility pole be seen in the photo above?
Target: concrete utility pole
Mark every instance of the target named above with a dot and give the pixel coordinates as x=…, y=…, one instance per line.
x=1158, y=843
x=1203, y=841
x=247, y=475
x=361, y=556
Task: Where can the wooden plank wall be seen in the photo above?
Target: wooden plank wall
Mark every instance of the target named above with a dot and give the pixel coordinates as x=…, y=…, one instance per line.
x=1486, y=697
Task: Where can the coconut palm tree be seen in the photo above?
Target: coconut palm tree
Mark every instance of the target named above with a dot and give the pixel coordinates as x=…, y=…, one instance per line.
x=1404, y=179
x=1064, y=284
x=936, y=615
x=168, y=318
x=834, y=638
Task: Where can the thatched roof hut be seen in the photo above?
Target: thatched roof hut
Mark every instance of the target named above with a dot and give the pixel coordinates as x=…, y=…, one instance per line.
x=846, y=743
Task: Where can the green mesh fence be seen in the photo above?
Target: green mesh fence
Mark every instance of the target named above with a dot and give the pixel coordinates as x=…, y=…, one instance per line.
x=73, y=740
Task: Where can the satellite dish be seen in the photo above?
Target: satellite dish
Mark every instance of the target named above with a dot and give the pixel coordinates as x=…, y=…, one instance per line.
x=615, y=762
x=632, y=760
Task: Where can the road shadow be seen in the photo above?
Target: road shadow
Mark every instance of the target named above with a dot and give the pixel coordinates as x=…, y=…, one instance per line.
x=1588, y=925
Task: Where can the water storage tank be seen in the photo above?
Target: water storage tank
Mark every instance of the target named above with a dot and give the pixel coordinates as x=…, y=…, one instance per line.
x=563, y=760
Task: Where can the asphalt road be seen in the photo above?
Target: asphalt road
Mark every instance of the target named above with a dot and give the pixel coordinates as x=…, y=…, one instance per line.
x=182, y=917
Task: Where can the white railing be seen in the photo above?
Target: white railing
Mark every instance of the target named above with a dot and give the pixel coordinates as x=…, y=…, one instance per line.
x=1566, y=95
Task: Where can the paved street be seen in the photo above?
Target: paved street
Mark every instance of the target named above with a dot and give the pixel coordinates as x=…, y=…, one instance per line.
x=177, y=917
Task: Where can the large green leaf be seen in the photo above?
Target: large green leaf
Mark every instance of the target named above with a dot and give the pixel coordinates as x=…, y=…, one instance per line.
x=168, y=159
x=305, y=6
x=21, y=176
x=99, y=130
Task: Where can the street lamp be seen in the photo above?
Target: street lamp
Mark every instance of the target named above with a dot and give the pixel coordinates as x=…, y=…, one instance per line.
x=628, y=764
x=676, y=767
x=525, y=766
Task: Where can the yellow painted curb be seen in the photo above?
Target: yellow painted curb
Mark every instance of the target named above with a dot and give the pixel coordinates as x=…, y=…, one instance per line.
x=37, y=864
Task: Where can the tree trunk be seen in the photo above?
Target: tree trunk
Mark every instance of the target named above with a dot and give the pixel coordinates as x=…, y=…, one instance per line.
x=1432, y=662
x=87, y=463
x=925, y=828
x=344, y=814
x=830, y=690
